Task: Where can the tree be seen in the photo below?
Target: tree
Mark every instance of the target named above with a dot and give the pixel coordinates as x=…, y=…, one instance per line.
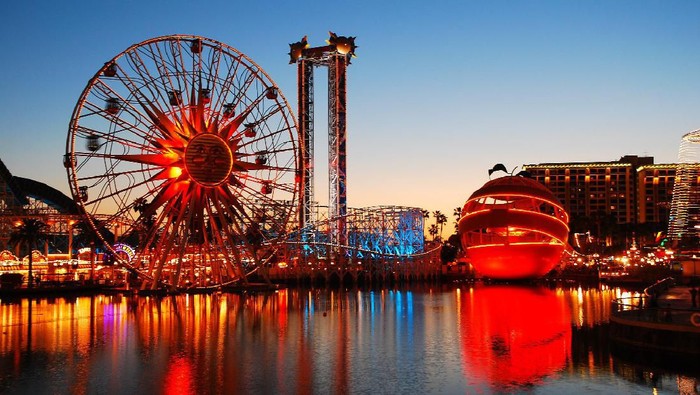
x=457, y=213
x=426, y=213
x=440, y=220
x=433, y=231
x=88, y=237
x=29, y=232
x=146, y=220
x=452, y=249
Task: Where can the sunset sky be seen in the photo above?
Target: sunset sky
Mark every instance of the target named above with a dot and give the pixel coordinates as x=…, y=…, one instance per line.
x=439, y=93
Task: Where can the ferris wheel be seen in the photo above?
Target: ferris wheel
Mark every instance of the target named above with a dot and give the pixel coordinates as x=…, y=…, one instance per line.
x=185, y=147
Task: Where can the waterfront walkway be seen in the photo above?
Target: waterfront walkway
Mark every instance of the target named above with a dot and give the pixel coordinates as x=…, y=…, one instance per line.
x=673, y=306
x=667, y=322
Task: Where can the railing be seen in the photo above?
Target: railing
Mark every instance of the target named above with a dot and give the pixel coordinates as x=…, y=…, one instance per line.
x=649, y=310
x=660, y=286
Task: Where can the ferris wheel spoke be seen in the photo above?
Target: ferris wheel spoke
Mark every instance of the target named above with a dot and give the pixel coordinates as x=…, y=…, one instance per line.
x=226, y=84
x=225, y=230
x=247, y=166
x=248, y=109
x=111, y=175
x=253, y=192
x=267, y=112
x=240, y=237
x=137, y=88
x=163, y=124
x=286, y=187
x=161, y=160
x=103, y=196
x=273, y=151
x=212, y=76
x=170, y=189
x=263, y=137
x=162, y=251
x=160, y=225
x=162, y=62
x=180, y=67
x=157, y=85
x=234, y=208
x=95, y=110
x=112, y=137
x=248, y=78
x=115, y=103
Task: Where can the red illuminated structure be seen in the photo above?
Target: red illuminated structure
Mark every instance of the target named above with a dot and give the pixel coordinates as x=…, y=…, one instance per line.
x=524, y=333
x=513, y=228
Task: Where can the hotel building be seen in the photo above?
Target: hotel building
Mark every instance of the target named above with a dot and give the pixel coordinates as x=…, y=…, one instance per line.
x=632, y=190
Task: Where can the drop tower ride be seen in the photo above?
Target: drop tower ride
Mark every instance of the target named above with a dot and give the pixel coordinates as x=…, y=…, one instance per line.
x=336, y=57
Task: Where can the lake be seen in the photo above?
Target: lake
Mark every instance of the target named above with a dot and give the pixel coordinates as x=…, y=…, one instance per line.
x=422, y=339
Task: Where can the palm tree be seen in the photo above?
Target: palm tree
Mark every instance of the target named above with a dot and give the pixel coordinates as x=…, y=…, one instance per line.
x=433, y=231
x=440, y=220
x=426, y=215
x=88, y=237
x=29, y=232
x=457, y=213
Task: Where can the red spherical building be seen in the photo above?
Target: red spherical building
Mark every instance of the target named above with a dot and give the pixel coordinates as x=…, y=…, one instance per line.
x=513, y=228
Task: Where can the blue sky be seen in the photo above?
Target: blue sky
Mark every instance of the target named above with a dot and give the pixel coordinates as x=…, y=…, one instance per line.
x=440, y=91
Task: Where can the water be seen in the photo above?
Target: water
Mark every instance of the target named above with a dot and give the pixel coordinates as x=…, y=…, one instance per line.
x=442, y=340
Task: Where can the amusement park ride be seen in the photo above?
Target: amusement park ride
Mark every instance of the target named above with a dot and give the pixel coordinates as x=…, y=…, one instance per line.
x=192, y=147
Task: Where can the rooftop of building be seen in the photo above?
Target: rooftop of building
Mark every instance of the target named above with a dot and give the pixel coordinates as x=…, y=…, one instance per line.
x=633, y=161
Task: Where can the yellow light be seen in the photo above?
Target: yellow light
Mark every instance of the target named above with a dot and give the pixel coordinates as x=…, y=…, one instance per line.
x=343, y=48
x=296, y=50
x=174, y=172
x=344, y=45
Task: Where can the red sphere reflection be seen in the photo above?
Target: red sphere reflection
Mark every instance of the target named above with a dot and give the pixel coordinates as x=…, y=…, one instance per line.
x=517, y=335
x=513, y=228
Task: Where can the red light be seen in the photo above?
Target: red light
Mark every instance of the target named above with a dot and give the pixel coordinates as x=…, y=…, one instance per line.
x=179, y=377
x=524, y=333
x=513, y=228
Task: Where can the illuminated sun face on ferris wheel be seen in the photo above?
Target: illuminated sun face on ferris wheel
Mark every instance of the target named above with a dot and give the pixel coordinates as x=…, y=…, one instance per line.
x=185, y=147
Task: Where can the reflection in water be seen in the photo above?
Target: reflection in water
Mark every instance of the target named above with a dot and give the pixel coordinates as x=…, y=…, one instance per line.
x=418, y=340
x=514, y=336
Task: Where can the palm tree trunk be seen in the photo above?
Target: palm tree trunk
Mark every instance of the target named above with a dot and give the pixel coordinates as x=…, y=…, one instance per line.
x=30, y=283
x=92, y=263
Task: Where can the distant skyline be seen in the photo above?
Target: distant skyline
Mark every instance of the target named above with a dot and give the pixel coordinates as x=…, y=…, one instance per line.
x=438, y=94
